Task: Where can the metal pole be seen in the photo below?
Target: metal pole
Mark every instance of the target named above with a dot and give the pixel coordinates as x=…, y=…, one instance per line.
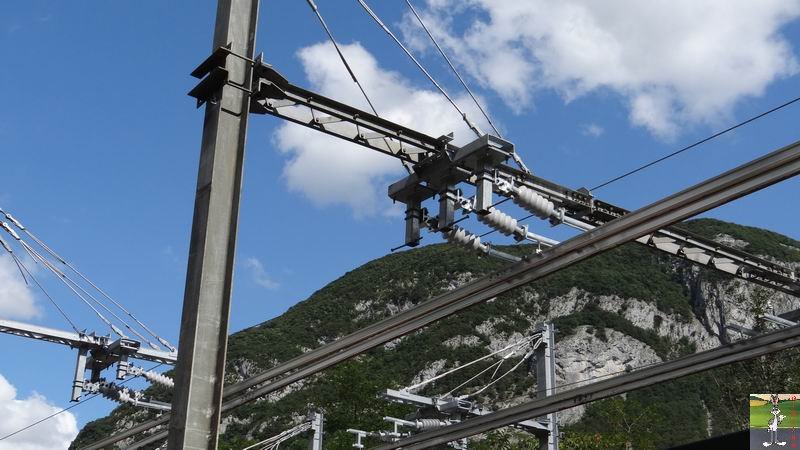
x=200, y=370
x=546, y=382
x=317, y=423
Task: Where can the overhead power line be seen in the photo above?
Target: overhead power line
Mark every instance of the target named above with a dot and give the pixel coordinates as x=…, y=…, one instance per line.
x=452, y=67
x=380, y=23
x=61, y=411
x=349, y=69
x=701, y=141
x=514, y=155
x=74, y=286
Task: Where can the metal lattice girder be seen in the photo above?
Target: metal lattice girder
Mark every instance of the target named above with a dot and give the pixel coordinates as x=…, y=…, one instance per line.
x=91, y=342
x=748, y=178
x=731, y=353
x=438, y=162
x=274, y=95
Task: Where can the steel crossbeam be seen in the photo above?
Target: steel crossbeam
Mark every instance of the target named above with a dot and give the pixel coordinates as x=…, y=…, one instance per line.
x=743, y=180
x=79, y=341
x=277, y=96
x=274, y=95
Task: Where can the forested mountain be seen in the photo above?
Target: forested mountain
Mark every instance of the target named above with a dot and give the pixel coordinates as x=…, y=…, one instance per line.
x=626, y=308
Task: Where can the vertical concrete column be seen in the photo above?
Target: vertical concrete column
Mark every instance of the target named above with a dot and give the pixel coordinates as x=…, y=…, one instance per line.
x=200, y=369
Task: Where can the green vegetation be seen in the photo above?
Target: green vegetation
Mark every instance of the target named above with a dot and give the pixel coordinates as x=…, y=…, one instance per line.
x=656, y=417
x=760, y=415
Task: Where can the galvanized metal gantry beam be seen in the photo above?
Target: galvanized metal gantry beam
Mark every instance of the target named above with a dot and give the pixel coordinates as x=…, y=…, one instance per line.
x=437, y=165
x=78, y=341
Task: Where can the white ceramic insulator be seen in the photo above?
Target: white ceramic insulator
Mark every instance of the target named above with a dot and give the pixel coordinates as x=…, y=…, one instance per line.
x=533, y=202
x=125, y=397
x=461, y=237
x=159, y=378
x=500, y=221
x=115, y=394
x=430, y=424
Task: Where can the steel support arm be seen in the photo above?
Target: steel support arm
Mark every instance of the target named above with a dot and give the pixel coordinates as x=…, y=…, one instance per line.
x=274, y=95
x=278, y=97
x=728, y=354
x=75, y=340
x=765, y=171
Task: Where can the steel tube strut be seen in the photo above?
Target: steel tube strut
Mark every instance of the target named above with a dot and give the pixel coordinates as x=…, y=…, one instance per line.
x=750, y=177
x=204, y=324
x=731, y=353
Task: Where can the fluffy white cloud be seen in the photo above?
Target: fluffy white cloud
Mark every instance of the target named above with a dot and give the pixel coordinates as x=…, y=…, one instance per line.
x=673, y=62
x=16, y=298
x=53, y=434
x=592, y=129
x=330, y=171
x=259, y=274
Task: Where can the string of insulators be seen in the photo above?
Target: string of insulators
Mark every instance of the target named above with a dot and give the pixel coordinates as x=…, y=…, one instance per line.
x=500, y=221
x=158, y=378
x=466, y=239
x=115, y=393
x=533, y=202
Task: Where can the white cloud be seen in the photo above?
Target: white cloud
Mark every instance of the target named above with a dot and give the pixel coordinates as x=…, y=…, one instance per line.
x=592, y=129
x=330, y=171
x=674, y=62
x=259, y=274
x=53, y=434
x=16, y=298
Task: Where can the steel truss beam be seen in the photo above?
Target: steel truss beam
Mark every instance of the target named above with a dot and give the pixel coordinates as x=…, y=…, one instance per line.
x=743, y=180
x=274, y=95
x=278, y=97
x=90, y=342
x=728, y=354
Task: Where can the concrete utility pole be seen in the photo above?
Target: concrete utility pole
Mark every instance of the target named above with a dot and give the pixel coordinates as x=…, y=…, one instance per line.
x=200, y=370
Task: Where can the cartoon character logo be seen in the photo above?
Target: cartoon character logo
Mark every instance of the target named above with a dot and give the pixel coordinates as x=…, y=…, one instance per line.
x=774, y=421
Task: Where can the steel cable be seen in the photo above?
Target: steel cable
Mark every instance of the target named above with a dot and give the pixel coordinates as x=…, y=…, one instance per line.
x=695, y=144
x=380, y=23
x=63, y=261
x=516, y=157
x=322, y=22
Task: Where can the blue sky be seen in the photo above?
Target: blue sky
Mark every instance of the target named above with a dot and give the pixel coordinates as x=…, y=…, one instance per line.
x=99, y=141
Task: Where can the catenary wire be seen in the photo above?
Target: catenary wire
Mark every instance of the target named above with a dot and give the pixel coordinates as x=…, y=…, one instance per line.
x=380, y=23
x=452, y=67
x=349, y=69
x=67, y=408
x=495, y=380
x=695, y=144
x=23, y=269
x=516, y=157
x=34, y=254
x=63, y=261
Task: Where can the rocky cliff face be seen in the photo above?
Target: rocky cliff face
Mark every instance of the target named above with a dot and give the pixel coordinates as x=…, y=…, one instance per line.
x=627, y=308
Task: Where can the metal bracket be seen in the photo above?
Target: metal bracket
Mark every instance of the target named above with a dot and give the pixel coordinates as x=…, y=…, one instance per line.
x=214, y=75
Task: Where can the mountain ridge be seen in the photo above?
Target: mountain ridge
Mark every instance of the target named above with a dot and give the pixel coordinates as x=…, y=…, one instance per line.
x=649, y=306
